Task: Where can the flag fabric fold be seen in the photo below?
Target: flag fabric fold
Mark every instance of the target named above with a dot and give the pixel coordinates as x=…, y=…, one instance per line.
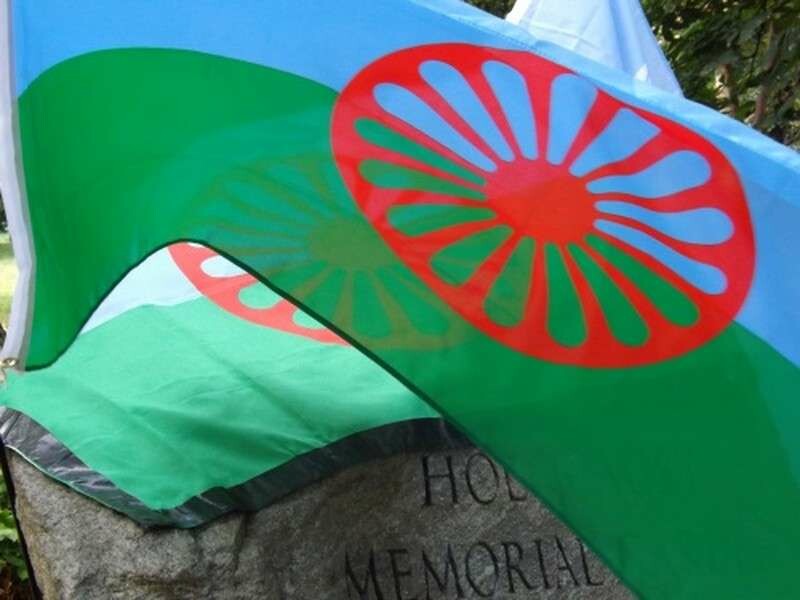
x=140, y=406
x=590, y=277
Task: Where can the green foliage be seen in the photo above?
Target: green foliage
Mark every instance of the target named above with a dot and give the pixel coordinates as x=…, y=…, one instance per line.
x=10, y=553
x=499, y=8
x=739, y=56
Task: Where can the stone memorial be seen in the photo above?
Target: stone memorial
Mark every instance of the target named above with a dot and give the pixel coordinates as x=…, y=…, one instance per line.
x=446, y=525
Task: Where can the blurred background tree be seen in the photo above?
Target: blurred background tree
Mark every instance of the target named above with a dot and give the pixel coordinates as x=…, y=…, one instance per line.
x=741, y=57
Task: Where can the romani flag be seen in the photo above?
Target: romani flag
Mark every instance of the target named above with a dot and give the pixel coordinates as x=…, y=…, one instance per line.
x=591, y=278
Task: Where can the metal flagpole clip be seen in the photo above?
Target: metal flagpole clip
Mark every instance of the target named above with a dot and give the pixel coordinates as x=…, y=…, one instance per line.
x=5, y=364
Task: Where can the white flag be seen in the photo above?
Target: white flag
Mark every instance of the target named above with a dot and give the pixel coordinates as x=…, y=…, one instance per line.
x=613, y=32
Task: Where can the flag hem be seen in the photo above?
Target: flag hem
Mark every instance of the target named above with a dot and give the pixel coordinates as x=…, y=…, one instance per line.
x=13, y=192
x=34, y=444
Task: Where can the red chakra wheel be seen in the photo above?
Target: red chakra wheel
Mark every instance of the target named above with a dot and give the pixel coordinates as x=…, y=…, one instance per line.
x=243, y=295
x=549, y=214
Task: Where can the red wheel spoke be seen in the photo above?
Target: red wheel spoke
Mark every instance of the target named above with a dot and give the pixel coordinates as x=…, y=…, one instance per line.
x=487, y=273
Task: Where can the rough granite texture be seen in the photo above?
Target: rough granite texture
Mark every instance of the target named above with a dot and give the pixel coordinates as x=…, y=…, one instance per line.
x=483, y=538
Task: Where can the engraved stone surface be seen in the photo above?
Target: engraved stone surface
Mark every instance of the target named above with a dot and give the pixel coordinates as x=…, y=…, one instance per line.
x=413, y=527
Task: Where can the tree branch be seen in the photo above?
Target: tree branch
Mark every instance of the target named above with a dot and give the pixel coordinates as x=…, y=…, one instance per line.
x=774, y=50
